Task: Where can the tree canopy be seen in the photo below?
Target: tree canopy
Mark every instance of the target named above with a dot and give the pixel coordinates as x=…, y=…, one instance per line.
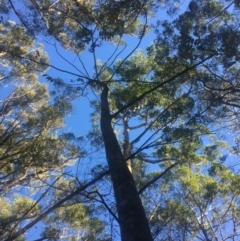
x=160, y=160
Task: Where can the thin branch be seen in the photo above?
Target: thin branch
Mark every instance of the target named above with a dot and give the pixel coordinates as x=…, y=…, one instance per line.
x=74, y=66
x=224, y=10
x=106, y=206
x=34, y=205
x=44, y=238
x=20, y=18
x=160, y=85
x=142, y=189
x=104, y=67
x=43, y=64
x=94, y=54
x=55, y=206
x=151, y=125
x=83, y=65
x=139, y=126
x=156, y=161
x=123, y=61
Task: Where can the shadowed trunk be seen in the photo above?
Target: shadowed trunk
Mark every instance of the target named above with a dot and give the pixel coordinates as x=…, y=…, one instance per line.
x=132, y=219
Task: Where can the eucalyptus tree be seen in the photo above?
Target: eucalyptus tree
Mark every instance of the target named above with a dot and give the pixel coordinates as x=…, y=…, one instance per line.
x=206, y=28
x=63, y=19
x=172, y=95
x=30, y=150
x=198, y=200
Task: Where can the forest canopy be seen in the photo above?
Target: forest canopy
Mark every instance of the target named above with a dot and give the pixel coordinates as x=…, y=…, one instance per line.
x=119, y=120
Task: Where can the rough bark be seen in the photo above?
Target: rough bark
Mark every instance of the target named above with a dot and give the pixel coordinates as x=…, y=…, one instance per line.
x=132, y=218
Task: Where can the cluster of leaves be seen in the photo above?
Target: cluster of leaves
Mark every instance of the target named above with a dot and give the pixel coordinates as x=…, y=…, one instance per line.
x=32, y=154
x=76, y=24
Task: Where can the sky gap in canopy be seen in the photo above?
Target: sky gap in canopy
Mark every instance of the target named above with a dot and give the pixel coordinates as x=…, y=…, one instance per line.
x=69, y=61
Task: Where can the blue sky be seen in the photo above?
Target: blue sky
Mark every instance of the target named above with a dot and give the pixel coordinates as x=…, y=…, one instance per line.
x=78, y=121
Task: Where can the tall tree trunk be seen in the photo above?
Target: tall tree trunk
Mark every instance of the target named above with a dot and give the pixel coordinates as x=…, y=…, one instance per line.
x=132, y=218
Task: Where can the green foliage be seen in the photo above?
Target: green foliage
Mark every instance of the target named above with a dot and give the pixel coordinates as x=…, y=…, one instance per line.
x=20, y=56
x=26, y=143
x=75, y=222
x=19, y=210
x=29, y=151
x=73, y=215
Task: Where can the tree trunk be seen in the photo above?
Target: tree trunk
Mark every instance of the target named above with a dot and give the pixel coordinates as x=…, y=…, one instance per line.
x=132, y=218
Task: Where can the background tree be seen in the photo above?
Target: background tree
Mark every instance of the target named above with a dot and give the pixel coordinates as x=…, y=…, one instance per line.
x=30, y=149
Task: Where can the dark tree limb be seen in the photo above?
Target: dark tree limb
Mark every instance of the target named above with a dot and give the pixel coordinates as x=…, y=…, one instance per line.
x=55, y=206
x=158, y=177
x=160, y=85
x=132, y=218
